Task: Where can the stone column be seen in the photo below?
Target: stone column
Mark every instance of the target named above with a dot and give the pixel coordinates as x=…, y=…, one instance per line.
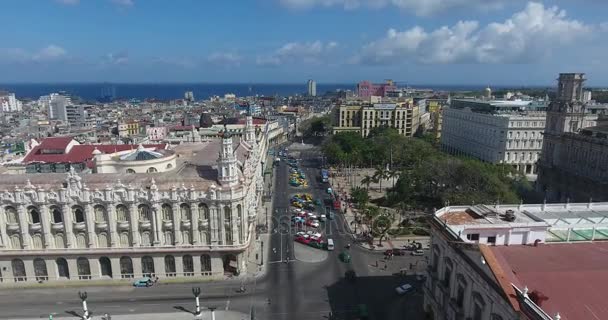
x=234, y=227
x=221, y=228
x=133, y=217
x=115, y=263
x=194, y=220
x=177, y=217
x=156, y=223
x=5, y=239
x=46, y=226
x=213, y=224
x=159, y=266
x=111, y=209
x=73, y=268
x=95, y=268
x=179, y=265
x=196, y=265
x=51, y=269
x=24, y=227
x=29, y=269
x=67, y=226
x=89, y=217
x=137, y=271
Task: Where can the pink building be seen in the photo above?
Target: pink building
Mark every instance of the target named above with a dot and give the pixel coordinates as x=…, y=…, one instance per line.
x=366, y=89
x=156, y=133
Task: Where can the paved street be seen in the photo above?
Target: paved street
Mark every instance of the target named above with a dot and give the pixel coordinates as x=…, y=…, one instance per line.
x=309, y=286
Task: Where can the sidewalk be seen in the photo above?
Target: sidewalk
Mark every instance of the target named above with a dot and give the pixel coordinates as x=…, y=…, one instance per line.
x=205, y=315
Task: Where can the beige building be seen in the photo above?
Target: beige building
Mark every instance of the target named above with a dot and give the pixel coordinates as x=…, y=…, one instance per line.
x=362, y=117
x=574, y=160
x=193, y=216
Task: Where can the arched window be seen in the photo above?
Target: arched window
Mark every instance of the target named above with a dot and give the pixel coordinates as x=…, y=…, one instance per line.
x=59, y=241
x=186, y=237
x=84, y=269
x=168, y=238
x=167, y=212
x=147, y=266
x=100, y=213
x=169, y=166
x=124, y=240
x=130, y=171
x=57, y=214
x=151, y=170
x=16, y=241
x=106, y=267
x=126, y=267
x=18, y=270
x=228, y=225
x=239, y=210
x=185, y=211
x=144, y=212
x=188, y=265
x=145, y=239
x=102, y=240
x=478, y=306
x=203, y=211
x=122, y=213
x=205, y=263
x=78, y=214
x=447, y=273
x=11, y=215
x=81, y=240
x=40, y=270
x=37, y=241
x=170, y=266
x=62, y=268
x=33, y=214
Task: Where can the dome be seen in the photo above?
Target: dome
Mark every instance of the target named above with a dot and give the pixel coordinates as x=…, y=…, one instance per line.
x=205, y=121
x=141, y=154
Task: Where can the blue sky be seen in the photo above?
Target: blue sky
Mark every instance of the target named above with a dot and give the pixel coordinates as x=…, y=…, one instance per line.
x=494, y=42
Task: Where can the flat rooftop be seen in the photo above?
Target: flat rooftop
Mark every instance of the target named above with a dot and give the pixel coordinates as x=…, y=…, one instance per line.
x=568, y=278
x=196, y=166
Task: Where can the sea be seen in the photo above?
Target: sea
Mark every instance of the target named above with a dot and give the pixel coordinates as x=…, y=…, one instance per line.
x=170, y=91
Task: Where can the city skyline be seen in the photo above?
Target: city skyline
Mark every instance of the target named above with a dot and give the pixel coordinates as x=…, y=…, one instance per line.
x=496, y=42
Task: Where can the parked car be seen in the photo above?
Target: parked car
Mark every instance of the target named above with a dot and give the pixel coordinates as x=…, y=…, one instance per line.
x=312, y=223
x=303, y=239
x=404, y=288
x=417, y=252
x=143, y=282
x=394, y=252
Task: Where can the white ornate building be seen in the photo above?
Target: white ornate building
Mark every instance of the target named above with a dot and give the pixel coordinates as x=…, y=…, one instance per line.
x=196, y=219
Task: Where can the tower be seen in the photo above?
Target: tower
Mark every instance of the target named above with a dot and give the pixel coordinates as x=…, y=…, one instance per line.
x=565, y=114
x=226, y=163
x=250, y=131
x=312, y=88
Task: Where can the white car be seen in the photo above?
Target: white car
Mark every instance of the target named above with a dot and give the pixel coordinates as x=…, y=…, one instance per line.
x=404, y=288
x=417, y=252
x=314, y=234
x=322, y=217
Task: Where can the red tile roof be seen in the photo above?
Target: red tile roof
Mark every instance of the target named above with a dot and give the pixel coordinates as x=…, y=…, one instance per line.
x=80, y=153
x=570, y=278
x=55, y=143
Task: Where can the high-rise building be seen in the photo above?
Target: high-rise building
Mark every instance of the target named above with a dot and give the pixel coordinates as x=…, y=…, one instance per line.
x=189, y=96
x=312, y=88
x=508, y=132
x=574, y=161
x=9, y=103
x=587, y=96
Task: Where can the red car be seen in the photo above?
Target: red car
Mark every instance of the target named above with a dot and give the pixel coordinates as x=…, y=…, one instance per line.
x=394, y=252
x=303, y=239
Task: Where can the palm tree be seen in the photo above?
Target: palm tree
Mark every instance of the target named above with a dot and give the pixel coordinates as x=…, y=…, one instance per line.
x=367, y=180
x=380, y=174
x=394, y=174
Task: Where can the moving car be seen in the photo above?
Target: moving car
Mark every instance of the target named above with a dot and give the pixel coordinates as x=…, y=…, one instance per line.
x=417, y=252
x=330, y=244
x=143, y=282
x=394, y=252
x=404, y=288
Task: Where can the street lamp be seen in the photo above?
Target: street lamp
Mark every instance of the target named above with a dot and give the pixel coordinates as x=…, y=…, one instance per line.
x=212, y=309
x=83, y=297
x=196, y=291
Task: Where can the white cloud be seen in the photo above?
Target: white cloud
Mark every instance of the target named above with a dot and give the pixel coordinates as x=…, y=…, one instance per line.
x=298, y=52
x=19, y=55
x=123, y=3
x=226, y=59
x=419, y=7
x=116, y=58
x=529, y=35
x=68, y=2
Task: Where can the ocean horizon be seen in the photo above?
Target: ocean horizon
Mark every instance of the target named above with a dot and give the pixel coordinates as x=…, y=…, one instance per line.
x=201, y=91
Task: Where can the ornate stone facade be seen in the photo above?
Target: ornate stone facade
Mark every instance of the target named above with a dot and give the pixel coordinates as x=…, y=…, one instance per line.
x=162, y=224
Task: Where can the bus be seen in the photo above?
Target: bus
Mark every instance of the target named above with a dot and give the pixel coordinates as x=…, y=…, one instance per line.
x=324, y=175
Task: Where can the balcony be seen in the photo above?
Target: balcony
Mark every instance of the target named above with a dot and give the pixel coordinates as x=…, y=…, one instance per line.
x=123, y=225
x=168, y=224
x=145, y=225
x=12, y=227
x=186, y=224
x=79, y=226
x=101, y=225
x=34, y=227
x=57, y=226
x=204, y=223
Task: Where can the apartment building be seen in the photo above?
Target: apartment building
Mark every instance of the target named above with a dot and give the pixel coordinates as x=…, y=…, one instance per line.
x=363, y=117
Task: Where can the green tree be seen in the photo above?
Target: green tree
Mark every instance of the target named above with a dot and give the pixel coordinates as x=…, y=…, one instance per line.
x=367, y=180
